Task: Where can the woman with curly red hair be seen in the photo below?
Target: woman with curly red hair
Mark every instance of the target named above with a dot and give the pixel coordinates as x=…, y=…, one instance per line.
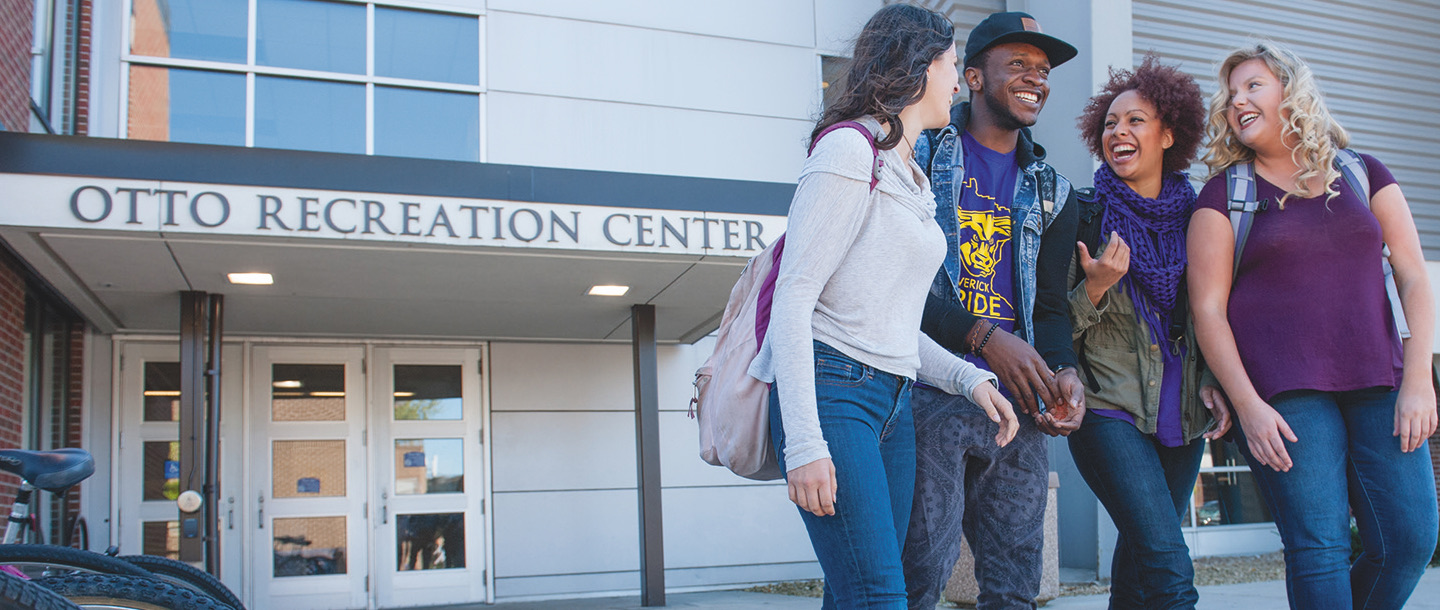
x=1140, y=444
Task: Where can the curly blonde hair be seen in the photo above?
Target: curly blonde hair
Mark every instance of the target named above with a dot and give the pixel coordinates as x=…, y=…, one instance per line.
x=1316, y=134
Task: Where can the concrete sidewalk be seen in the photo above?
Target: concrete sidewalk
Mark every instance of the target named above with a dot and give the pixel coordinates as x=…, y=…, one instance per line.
x=1251, y=596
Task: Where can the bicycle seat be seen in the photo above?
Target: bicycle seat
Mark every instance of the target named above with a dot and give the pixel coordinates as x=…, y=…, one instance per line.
x=53, y=471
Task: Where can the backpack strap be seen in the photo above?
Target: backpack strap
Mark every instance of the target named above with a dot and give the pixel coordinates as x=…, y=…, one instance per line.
x=1240, y=184
x=1089, y=234
x=1352, y=167
x=869, y=137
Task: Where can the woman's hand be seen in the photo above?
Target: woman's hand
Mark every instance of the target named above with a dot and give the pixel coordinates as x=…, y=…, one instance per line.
x=998, y=409
x=1102, y=273
x=1415, y=417
x=1266, y=433
x=1214, y=400
x=813, y=487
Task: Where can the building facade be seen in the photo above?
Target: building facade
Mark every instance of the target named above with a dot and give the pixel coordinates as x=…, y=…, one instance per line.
x=427, y=406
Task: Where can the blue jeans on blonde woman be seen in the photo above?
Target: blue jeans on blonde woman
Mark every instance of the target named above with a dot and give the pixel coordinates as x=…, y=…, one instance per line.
x=866, y=421
x=1146, y=487
x=1346, y=444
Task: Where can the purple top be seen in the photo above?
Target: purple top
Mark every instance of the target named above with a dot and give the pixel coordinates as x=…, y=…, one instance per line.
x=1308, y=306
x=987, y=268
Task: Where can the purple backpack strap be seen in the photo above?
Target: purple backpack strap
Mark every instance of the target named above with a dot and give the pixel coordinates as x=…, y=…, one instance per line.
x=767, y=293
x=869, y=137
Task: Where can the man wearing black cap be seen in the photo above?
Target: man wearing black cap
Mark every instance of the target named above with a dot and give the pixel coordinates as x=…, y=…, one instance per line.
x=999, y=300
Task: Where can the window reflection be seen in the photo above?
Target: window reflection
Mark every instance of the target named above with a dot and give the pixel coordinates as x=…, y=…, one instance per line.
x=161, y=478
x=309, y=115
x=213, y=30
x=309, y=546
x=196, y=106
x=425, y=391
x=430, y=542
x=307, y=392
x=162, y=391
x=429, y=466
x=310, y=35
x=308, y=469
x=430, y=124
x=427, y=46
x=161, y=538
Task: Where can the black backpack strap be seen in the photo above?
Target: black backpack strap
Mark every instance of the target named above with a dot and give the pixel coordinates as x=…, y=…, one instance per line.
x=1089, y=234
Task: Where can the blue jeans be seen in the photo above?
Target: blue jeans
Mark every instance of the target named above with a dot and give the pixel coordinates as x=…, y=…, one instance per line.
x=1145, y=486
x=866, y=421
x=1347, y=460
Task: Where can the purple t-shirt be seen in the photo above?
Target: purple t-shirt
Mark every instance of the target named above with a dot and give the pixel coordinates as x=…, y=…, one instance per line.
x=1308, y=306
x=983, y=241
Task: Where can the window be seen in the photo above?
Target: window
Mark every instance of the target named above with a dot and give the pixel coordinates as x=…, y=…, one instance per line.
x=1226, y=492
x=832, y=70
x=326, y=75
x=42, y=66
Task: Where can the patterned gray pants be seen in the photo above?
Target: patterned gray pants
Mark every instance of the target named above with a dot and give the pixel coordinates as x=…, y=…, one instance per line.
x=994, y=496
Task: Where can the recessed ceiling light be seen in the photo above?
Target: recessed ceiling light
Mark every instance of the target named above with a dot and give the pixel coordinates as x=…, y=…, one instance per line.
x=609, y=291
x=258, y=279
x=328, y=394
x=404, y=394
x=287, y=383
x=162, y=392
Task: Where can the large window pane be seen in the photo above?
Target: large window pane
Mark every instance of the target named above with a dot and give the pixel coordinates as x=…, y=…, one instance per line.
x=1228, y=498
x=430, y=542
x=162, y=391
x=161, y=477
x=430, y=124
x=429, y=466
x=161, y=538
x=427, y=391
x=173, y=105
x=308, y=469
x=309, y=115
x=427, y=46
x=212, y=30
x=309, y=546
x=310, y=35
x=307, y=392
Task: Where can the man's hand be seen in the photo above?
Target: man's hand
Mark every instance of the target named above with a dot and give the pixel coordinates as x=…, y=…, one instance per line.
x=1064, y=416
x=1022, y=370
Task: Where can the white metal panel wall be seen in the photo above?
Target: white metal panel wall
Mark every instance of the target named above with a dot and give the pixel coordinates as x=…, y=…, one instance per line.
x=652, y=90
x=1378, y=63
x=964, y=13
x=563, y=466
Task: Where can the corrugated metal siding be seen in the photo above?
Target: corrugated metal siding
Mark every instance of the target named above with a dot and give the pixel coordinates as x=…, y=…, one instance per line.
x=1378, y=64
x=964, y=13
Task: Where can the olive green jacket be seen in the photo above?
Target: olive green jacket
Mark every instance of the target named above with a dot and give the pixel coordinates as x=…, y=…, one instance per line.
x=1126, y=368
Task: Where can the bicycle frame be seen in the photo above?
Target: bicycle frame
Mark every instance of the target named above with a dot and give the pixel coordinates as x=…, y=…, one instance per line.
x=19, y=512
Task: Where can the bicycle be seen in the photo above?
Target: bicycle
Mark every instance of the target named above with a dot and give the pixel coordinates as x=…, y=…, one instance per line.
x=94, y=579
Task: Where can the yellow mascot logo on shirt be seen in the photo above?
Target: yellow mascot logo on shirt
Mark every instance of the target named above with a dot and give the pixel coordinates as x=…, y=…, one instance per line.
x=982, y=235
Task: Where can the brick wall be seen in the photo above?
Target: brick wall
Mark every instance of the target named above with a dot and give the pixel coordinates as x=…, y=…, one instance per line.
x=12, y=368
x=16, y=28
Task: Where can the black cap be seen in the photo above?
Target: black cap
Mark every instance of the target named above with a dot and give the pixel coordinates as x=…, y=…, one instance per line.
x=1000, y=28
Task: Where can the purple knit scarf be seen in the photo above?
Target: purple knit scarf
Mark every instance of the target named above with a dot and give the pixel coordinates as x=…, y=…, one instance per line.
x=1155, y=231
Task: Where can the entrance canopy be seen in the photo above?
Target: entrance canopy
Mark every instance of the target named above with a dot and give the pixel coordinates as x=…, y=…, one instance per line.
x=375, y=246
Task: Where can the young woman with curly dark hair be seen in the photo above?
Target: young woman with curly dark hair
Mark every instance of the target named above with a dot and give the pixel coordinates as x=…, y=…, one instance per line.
x=844, y=344
x=1140, y=444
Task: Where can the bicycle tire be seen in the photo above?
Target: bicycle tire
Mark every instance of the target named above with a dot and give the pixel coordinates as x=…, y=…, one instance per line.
x=186, y=575
x=47, y=557
x=19, y=594
x=135, y=593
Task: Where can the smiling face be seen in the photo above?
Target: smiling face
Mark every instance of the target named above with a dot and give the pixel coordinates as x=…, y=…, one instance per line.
x=1014, y=83
x=1134, y=141
x=942, y=80
x=1254, y=111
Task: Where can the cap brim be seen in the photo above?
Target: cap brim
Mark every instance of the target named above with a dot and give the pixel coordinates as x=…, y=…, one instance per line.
x=1058, y=51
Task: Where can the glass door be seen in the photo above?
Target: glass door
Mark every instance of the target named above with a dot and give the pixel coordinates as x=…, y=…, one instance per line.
x=429, y=525
x=150, y=444
x=308, y=478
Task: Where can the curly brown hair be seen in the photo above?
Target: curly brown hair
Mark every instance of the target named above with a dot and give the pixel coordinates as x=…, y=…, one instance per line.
x=1176, y=97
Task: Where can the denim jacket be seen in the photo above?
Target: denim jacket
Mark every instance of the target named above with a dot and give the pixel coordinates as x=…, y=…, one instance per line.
x=1043, y=208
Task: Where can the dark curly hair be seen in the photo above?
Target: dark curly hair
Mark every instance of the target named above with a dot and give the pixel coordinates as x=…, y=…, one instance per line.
x=1176, y=97
x=887, y=70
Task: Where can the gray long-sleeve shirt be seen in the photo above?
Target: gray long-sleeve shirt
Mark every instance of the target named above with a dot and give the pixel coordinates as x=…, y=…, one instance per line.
x=857, y=267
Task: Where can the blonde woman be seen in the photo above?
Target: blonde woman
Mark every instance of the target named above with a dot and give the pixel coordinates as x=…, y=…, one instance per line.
x=1333, y=409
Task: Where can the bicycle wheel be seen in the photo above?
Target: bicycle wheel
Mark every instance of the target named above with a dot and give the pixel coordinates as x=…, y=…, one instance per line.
x=37, y=560
x=19, y=594
x=186, y=575
x=111, y=591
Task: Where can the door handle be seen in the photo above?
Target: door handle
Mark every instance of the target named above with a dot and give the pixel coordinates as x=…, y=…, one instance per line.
x=260, y=516
x=384, y=508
